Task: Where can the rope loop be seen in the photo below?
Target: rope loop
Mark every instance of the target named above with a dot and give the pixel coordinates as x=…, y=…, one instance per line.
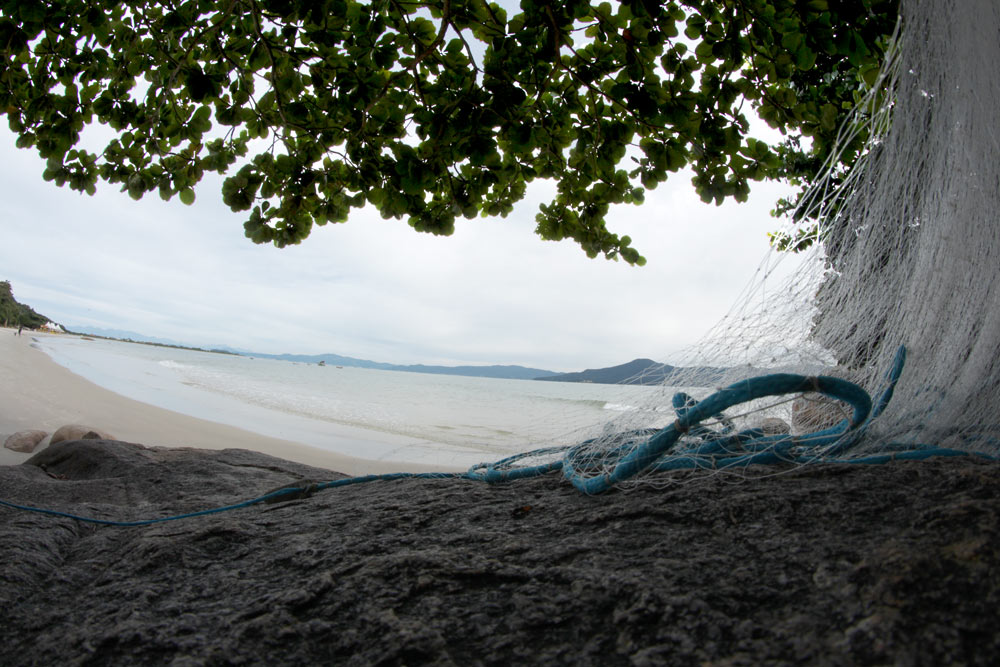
x=595, y=466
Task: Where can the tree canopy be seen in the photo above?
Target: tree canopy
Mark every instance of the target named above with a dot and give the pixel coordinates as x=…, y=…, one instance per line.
x=431, y=111
x=13, y=313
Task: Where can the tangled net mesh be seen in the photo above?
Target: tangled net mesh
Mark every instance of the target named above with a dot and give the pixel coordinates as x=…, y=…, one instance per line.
x=895, y=297
x=884, y=345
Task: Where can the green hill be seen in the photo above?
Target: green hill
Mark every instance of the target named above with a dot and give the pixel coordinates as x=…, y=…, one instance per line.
x=14, y=314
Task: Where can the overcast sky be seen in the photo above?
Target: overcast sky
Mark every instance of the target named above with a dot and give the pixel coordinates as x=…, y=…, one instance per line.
x=492, y=293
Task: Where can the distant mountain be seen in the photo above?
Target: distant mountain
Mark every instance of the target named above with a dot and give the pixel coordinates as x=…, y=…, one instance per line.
x=122, y=334
x=642, y=372
x=133, y=337
x=504, y=372
x=637, y=371
x=495, y=371
x=328, y=359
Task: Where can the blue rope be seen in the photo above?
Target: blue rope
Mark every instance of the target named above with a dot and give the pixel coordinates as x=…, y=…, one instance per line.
x=594, y=469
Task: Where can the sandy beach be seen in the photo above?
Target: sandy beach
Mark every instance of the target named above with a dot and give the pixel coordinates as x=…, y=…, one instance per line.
x=37, y=393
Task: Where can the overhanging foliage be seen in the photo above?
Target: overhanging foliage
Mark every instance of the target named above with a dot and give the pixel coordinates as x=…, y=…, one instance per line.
x=431, y=111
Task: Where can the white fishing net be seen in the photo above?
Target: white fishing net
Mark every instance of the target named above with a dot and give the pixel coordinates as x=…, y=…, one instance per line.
x=911, y=256
x=914, y=250
x=907, y=256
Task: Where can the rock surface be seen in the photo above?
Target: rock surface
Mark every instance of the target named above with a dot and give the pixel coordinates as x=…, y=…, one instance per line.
x=831, y=565
x=78, y=432
x=24, y=441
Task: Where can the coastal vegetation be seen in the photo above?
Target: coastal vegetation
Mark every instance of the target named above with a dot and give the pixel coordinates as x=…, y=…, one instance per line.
x=433, y=110
x=14, y=314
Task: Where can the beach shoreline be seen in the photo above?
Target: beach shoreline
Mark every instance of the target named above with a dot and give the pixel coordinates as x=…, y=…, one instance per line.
x=38, y=393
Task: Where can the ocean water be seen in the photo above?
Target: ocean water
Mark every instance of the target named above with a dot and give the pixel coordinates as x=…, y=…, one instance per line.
x=372, y=414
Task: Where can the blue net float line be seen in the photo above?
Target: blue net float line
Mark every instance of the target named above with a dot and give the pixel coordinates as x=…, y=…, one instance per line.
x=596, y=465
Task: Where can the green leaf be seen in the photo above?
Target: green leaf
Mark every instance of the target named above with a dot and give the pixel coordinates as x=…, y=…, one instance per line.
x=356, y=106
x=828, y=117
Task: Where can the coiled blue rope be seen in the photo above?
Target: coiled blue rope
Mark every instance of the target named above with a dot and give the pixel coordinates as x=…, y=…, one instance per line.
x=595, y=466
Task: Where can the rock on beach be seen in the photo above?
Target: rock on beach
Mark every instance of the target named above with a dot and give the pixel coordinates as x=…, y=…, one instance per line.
x=24, y=441
x=78, y=432
x=823, y=565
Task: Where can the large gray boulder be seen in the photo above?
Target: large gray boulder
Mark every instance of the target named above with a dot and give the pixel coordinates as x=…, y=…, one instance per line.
x=835, y=565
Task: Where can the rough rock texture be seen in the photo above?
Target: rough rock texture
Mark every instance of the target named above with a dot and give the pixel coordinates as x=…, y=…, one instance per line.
x=838, y=565
x=24, y=441
x=78, y=432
